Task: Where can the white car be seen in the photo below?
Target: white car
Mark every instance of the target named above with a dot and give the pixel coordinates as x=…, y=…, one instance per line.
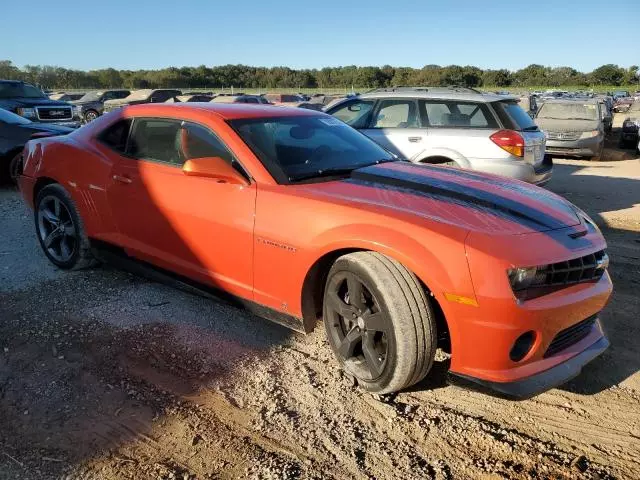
x=459, y=127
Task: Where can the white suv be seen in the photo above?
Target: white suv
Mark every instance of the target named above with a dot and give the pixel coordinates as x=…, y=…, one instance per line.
x=460, y=127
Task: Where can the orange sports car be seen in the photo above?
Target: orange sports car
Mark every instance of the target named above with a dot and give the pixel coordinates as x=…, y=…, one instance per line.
x=302, y=218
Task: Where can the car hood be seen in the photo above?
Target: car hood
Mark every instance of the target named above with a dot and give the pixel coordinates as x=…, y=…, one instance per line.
x=35, y=102
x=466, y=199
x=551, y=125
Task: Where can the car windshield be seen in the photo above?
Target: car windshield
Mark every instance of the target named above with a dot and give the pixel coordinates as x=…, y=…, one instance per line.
x=9, y=117
x=24, y=90
x=569, y=111
x=91, y=96
x=303, y=148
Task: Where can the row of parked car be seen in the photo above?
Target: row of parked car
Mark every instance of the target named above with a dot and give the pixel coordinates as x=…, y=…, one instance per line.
x=455, y=126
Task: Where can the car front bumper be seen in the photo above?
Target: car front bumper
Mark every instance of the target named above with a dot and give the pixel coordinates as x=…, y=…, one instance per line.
x=562, y=322
x=555, y=376
x=588, y=147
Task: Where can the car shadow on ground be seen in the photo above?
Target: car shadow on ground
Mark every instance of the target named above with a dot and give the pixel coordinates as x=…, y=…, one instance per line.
x=601, y=196
x=93, y=360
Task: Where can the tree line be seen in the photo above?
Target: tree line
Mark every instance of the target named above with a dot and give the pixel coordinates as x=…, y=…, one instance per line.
x=244, y=76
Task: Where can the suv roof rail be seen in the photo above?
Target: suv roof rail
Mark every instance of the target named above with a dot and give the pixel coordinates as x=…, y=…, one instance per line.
x=399, y=88
x=402, y=88
x=462, y=87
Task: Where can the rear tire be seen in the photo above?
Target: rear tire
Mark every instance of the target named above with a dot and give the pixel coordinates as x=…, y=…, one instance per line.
x=60, y=229
x=379, y=322
x=90, y=116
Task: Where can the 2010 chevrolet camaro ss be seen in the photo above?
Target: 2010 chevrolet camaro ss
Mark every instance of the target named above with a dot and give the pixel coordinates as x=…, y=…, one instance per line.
x=303, y=218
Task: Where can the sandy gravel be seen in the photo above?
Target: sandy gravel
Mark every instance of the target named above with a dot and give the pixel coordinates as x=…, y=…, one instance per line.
x=105, y=375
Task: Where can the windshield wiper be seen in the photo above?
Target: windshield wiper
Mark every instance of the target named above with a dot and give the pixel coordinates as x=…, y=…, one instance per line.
x=532, y=128
x=335, y=171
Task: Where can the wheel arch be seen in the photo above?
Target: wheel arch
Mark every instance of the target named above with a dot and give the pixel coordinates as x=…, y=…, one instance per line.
x=315, y=280
x=40, y=184
x=442, y=155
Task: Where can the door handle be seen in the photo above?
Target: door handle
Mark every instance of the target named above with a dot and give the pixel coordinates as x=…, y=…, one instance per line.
x=415, y=139
x=121, y=179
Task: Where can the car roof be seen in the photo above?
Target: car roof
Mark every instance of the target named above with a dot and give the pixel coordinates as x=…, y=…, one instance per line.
x=226, y=111
x=440, y=93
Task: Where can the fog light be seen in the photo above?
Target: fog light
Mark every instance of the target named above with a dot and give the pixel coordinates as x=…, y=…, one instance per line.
x=522, y=346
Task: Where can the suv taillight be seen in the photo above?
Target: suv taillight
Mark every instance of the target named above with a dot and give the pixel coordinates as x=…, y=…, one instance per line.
x=509, y=141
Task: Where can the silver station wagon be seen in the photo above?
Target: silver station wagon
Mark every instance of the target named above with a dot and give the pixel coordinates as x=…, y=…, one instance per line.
x=458, y=127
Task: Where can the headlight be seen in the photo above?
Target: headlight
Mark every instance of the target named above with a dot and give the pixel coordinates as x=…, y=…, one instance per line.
x=590, y=134
x=521, y=278
x=77, y=110
x=26, y=112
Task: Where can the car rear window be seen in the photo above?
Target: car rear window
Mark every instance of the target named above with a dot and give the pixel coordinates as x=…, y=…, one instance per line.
x=513, y=117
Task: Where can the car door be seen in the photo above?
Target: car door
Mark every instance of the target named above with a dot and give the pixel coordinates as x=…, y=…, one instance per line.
x=396, y=126
x=197, y=227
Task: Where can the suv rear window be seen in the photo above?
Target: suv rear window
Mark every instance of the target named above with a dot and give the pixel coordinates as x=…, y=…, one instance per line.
x=513, y=117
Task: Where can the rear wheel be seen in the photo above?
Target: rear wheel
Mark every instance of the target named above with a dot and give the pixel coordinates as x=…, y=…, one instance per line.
x=91, y=115
x=60, y=229
x=379, y=322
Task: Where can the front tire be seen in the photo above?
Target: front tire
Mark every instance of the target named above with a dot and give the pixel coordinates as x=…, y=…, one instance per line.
x=379, y=322
x=60, y=229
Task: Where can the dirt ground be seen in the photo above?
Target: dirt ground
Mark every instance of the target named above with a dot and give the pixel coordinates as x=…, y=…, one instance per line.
x=104, y=375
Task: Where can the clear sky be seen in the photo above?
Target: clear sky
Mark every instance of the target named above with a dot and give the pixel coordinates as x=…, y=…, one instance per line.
x=135, y=34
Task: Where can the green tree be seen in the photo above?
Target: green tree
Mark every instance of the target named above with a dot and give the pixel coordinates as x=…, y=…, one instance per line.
x=607, y=75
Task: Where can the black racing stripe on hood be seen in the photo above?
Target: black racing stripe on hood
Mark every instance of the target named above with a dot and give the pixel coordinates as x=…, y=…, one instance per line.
x=454, y=191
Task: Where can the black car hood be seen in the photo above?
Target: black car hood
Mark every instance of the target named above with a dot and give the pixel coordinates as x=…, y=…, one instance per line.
x=34, y=102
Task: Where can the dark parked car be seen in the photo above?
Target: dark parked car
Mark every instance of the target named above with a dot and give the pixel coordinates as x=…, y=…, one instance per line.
x=15, y=131
x=91, y=105
x=630, y=126
x=142, y=96
x=30, y=102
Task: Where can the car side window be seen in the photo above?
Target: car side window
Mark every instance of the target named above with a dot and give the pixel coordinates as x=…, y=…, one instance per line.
x=115, y=136
x=196, y=141
x=156, y=139
x=355, y=113
x=453, y=114
x=396, y=114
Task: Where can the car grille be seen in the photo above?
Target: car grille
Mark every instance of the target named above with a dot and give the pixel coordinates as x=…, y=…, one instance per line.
x=578, y=270
x=550, y=278
x=54, y=113
x=565, y=136
x=570, y=336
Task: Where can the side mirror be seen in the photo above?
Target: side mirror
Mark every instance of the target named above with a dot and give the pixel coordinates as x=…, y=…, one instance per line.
x=214, y=167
